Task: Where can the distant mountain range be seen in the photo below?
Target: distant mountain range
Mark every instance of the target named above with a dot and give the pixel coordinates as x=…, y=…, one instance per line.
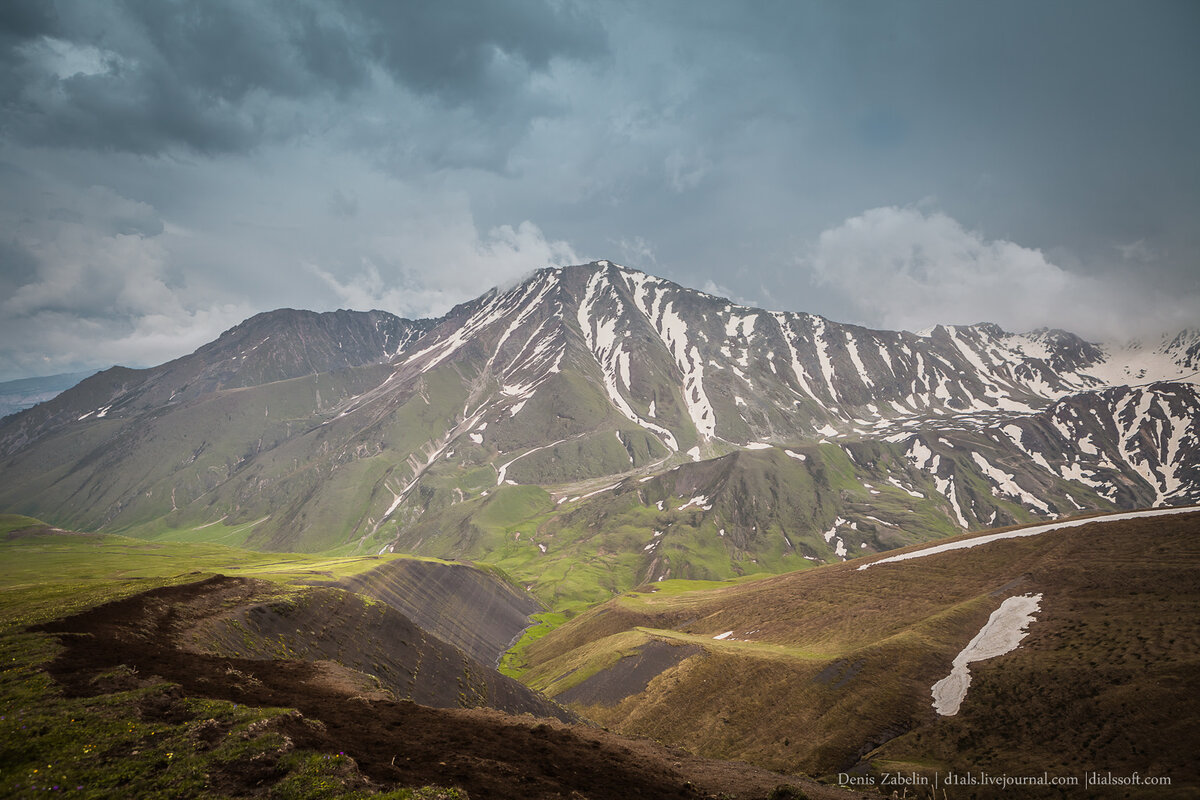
x=594, y=428
x=25, y=393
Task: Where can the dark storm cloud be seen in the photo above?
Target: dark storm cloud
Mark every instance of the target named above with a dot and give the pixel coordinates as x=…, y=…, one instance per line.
x=194, y=162
x=1062, y=126
x=18, y=266
x=145, y=76
x=455, y=51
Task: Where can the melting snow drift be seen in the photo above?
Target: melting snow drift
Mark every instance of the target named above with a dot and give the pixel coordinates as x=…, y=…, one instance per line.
x=964, y=544
x=1004, y=630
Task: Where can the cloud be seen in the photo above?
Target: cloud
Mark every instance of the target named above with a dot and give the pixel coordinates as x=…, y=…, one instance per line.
x=636, y=252
x=465, y=54
x=396, y=147
x=67, y=342
x=431, y=269
x=685, y=172
x=712, y=287
x=90, y=284
x=224, y=76
x=901, y=267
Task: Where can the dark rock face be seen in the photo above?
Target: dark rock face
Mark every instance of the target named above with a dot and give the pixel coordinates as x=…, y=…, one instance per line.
x=629, y=676
x=461, y=605
x=258, y=629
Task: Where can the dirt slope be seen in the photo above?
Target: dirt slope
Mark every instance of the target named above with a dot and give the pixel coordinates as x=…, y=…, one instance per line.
x=461, y=605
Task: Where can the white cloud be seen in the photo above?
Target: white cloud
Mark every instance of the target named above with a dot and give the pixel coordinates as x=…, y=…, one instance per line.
x=903, y=268
x=65, y=59
x=434, y=267
x=712, y=287
x=101, y=292
x=636, y=252
x=52, y=341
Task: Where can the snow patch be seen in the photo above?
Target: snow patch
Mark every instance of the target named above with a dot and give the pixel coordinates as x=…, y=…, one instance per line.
x=965, y=544
x=700, y=501
x=1004, y=630
x=1005, y=484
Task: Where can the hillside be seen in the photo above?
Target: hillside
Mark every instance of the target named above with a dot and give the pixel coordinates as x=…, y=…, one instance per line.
x=831, y=671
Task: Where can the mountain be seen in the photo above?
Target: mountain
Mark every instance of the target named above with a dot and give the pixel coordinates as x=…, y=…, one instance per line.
x=594, y=427
x=24, y=393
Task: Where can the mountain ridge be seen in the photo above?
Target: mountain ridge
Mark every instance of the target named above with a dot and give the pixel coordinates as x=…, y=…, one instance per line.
x=560, y=397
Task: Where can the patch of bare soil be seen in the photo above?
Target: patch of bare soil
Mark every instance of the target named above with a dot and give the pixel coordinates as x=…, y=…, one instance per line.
x=630, y=675
x=461, y=605
x=485, y=752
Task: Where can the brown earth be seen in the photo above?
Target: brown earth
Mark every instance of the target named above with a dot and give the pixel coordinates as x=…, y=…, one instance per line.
x=323, y=624
x=485, y=752
x=628, y=676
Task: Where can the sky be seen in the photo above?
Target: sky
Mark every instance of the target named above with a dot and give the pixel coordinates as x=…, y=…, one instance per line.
x=168, y=169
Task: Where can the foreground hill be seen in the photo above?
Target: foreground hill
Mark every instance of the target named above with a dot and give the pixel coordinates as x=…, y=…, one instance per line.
x=556, y=426
x=833, y=670
x=125, y=677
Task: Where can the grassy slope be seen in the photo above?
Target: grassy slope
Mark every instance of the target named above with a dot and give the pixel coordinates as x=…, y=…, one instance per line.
x=121, y=742
x=768, y=513
x=828, y=665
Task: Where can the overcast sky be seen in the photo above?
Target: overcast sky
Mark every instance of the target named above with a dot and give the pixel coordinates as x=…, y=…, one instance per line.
x=170, y=168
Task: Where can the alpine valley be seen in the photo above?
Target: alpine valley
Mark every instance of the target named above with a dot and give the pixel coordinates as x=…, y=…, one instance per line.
x=599, y=442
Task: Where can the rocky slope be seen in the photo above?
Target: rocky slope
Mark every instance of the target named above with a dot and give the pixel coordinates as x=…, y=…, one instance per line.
x=477, y=613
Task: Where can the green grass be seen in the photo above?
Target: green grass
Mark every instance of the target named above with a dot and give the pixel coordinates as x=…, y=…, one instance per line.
x=514, y=662
x=558, y=676
x=826, y=662
x=44, y=560
x=16, y=522
x=103, y=746
x=213, y=533
x=676, y=587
